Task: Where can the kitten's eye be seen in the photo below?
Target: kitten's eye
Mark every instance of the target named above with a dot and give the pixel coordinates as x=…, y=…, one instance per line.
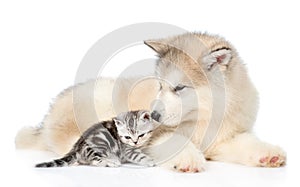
x=140, y=136
x=179, y=87
x=127, y=137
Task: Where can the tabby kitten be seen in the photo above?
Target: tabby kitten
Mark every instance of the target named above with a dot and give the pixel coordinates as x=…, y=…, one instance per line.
x=111, y=143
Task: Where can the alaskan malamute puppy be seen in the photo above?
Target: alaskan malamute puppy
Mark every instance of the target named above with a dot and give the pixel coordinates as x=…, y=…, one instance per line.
x=201, y=95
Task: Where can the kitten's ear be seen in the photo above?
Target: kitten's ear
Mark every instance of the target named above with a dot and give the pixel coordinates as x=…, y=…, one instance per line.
x=220, y=56
x=146, y=116
x=117, y=122
x=159, y=46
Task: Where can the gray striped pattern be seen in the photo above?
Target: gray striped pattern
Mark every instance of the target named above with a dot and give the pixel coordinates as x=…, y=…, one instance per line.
x=108, y=144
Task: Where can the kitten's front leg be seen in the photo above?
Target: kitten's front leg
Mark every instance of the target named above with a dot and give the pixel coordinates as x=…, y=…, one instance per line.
x=136, y=156
x=111, y=162
x=105, y=162
x=102, y=158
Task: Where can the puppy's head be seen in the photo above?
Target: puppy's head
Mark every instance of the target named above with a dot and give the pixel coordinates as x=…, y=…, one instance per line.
x=189, y=67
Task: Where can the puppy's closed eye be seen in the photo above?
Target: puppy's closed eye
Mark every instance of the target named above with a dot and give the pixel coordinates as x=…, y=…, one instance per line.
x=179, y=87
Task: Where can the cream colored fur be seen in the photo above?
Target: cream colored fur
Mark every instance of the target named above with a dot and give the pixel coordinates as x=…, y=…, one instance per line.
x=192, y=56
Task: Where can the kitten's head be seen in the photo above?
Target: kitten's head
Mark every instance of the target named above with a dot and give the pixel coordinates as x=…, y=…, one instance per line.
x=134, y=127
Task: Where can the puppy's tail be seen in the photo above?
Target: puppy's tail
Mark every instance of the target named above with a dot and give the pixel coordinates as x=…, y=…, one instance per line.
x=30, y=138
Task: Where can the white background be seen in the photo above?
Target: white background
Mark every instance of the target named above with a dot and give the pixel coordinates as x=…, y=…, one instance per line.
x=42, y=44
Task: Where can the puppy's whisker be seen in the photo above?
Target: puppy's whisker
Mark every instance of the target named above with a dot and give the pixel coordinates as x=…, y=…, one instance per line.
x=170, y=117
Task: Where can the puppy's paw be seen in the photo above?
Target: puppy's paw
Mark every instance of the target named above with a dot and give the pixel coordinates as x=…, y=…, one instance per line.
x=271, y=156
x=188, y=160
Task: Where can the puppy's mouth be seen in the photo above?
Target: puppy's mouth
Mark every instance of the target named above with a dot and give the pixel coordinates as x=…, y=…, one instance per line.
x=169, y=120
x=160, y=119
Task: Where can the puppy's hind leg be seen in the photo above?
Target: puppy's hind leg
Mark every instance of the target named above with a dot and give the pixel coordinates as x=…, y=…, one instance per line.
x=248, y=150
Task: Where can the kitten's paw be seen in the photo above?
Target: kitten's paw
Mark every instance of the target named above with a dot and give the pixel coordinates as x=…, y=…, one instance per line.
x=271, y=156
x=151, y=163
x=188, y=160
x=147, y=162
x=109, y=163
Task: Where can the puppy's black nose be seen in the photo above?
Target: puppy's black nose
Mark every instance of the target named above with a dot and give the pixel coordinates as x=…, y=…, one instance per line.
x=155, y=115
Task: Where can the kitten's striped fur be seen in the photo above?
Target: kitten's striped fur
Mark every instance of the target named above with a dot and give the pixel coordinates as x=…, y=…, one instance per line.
x=111, y=143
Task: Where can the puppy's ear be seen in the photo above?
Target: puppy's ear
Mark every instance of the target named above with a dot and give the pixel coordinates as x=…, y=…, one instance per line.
x=158, y=46
x=221, y=56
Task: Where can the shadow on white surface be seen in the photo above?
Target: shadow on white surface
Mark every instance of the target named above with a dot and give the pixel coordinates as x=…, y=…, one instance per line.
x=216, y=174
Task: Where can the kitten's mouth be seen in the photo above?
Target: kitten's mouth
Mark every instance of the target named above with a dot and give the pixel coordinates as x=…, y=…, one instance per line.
x=136, y=145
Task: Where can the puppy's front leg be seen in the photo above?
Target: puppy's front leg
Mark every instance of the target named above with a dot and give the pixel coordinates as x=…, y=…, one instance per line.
x=175, y=151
